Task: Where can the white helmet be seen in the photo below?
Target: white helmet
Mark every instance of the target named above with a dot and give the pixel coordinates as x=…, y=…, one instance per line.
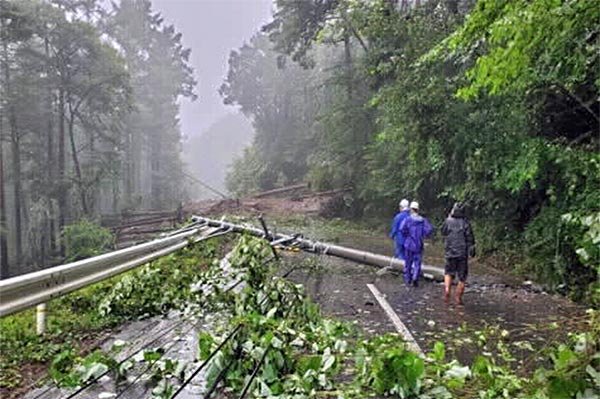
x=414, y=205
x=404, y=204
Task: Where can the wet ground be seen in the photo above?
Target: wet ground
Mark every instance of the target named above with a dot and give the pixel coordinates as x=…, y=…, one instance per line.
x=147, y=346
x=500, y=316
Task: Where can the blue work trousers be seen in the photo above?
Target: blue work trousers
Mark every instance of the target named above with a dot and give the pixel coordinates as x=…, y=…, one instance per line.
x=399, y=252
x=412, y=266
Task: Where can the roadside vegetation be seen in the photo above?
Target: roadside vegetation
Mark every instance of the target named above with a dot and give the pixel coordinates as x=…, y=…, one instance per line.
x=90, y=101
x=80, y=321
x=285, y=348
x=490, y=102
x=494, y=103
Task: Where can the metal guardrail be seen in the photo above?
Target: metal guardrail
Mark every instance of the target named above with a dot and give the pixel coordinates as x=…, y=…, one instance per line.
x=30, y=289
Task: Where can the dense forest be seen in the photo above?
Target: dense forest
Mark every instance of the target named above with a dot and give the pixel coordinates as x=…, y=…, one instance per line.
x=89, y=120
x=490, y=102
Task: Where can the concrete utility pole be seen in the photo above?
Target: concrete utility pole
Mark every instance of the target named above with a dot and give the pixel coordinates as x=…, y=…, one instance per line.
x=365, y=257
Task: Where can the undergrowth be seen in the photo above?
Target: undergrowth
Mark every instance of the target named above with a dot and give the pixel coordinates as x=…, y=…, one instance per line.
x=306, y=355
x=75, y=322
x=286, y=349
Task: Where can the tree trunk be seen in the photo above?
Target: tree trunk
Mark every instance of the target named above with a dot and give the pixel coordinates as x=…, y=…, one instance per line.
x=16, y=157
x=348, y=66
x=127, y=160
x=62, y=193
x=50, y=151
x=15, y=142
x=4, y=271
x=95, y=198
x=75, y=157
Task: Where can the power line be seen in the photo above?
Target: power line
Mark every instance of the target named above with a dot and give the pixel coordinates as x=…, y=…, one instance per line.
x=205, y=185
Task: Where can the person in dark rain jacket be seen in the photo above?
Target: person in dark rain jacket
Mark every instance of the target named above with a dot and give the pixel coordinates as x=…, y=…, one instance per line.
x=415, y=229
x=459, y=245
x=395, y=232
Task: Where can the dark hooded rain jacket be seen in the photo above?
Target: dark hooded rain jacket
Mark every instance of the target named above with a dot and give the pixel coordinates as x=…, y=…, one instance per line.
x=459, y=235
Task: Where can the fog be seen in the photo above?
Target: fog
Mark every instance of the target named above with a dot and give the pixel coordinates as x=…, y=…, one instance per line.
x=211, y=28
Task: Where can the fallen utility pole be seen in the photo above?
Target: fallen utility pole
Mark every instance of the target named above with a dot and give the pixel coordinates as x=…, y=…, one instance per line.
x=368, y=258
x=281, y=190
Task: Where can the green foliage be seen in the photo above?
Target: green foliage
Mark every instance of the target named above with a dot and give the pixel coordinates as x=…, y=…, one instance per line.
x=68, y=320
x=489, y=152
x=161, y=74
x=520, y=151
x=95, y=308
x=305, y=353
x=301, y=348
x=297, y=25
x=573, y=372
x=282, y=103
x=158, y=287
x=85, y=239
x=308, y=124
x=385, y=365
x=521, y=44
x=68, y=370
x=246, y=174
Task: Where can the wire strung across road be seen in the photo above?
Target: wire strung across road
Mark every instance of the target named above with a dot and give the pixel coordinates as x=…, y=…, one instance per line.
x=207, y=360
x=164, y=333
x=224, y=371
x=254, y=373
x=131, y=355
x=263, y=357
x=205, y=185
x=96, y=379
x=202, y=365
x=214, y=352
x=220, y=377
x=152, y=363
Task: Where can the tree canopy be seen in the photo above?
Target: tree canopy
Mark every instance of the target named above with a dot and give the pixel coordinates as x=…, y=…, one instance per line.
x=89, y=121
x=494, y=103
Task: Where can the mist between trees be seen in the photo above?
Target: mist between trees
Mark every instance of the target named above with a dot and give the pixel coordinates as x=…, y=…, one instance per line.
x=89, y=119
x=389, y=98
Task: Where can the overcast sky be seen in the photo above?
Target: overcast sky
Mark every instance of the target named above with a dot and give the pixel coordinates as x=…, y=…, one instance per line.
x=211, y=28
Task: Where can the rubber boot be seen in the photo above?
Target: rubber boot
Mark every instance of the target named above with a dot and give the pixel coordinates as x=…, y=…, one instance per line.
x=447, y=288
x=460, y=290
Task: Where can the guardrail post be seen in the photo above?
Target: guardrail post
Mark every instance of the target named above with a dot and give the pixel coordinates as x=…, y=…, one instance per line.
x=40, y=317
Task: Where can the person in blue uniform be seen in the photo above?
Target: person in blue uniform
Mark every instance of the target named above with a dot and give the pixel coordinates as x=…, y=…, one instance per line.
x=403, y=213
x=415, y=229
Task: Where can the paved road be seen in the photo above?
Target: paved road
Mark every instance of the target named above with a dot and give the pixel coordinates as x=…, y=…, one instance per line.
x=531, y=320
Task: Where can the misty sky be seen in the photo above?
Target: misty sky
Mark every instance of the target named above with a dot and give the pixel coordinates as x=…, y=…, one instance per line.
x=211, y=28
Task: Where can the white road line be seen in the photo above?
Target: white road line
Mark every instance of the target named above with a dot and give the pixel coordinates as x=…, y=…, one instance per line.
x=400, y=327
